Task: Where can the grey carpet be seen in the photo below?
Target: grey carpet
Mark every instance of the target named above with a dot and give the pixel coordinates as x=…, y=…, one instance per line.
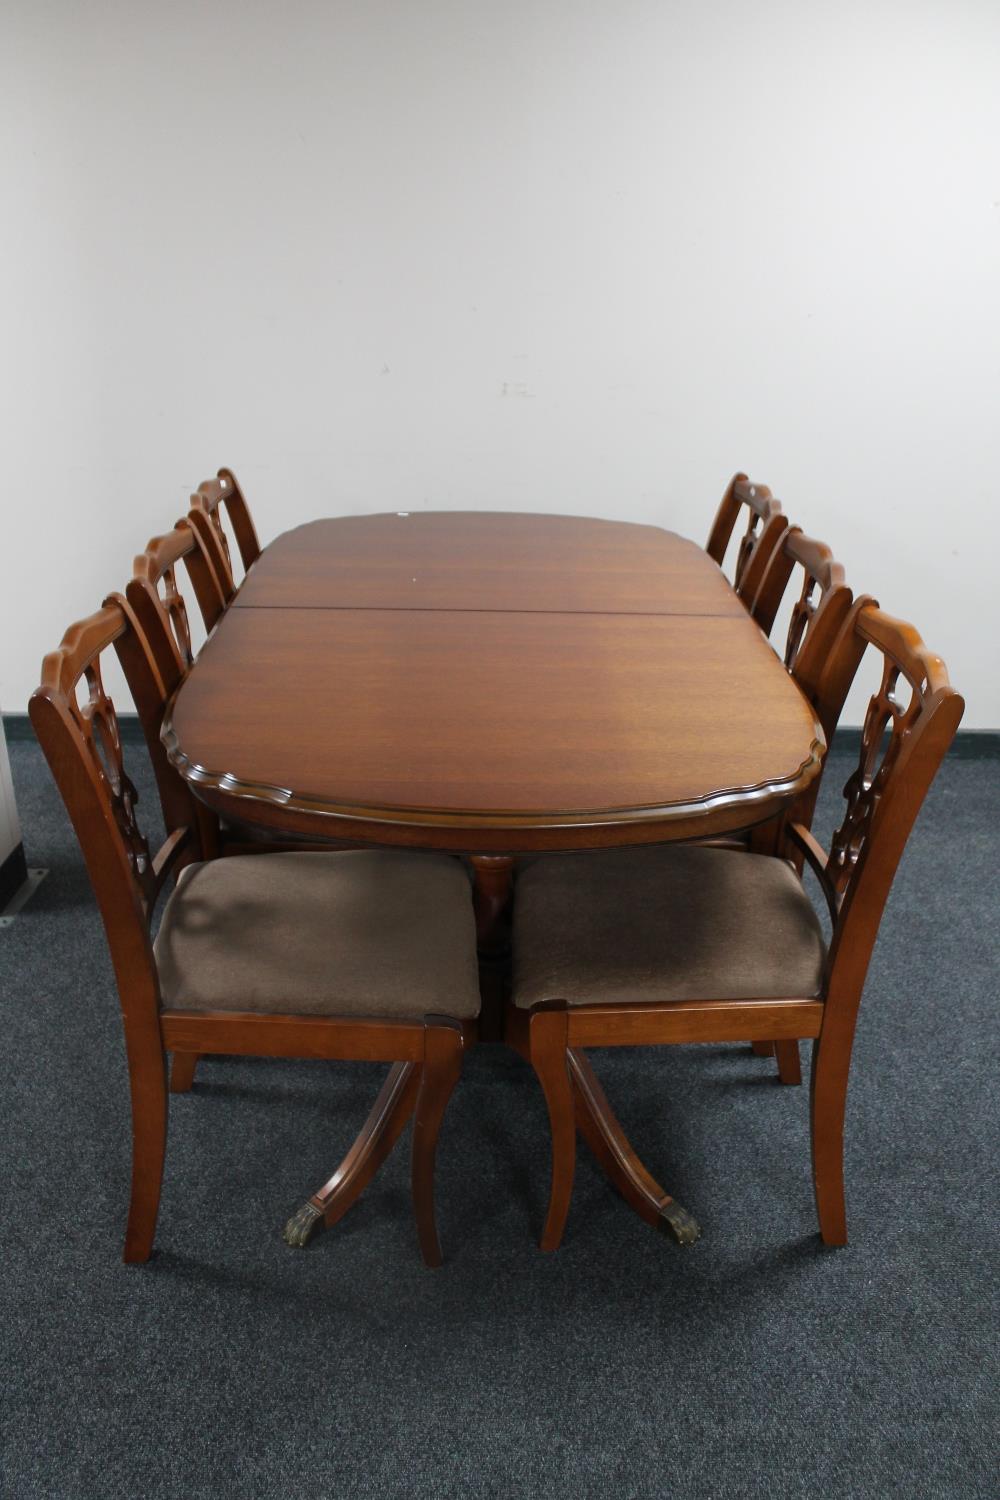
x=756, y=1363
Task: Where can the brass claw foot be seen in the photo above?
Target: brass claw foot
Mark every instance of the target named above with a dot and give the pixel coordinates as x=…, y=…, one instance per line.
x=678, y=1223
x=303, y=1225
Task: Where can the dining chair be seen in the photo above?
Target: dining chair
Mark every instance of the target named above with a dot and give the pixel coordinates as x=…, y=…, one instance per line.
x=816, y=619
x=679, y=944
x=362, y=955
x=209, y=500
x=764, y=528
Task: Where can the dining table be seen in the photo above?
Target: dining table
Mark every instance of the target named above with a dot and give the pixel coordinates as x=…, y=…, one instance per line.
x=497, y=685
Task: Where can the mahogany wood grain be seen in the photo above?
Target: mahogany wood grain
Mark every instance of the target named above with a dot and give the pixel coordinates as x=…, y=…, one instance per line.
x=250, y=1034
x=789, y=1062
x=386, y=1120
x=182, y=1071
x=759, y=558
x=494, y=876
x=472, y=560
x=600, y=1128
x=438, y=1077
x=548, y=1043
x=693, y=1021
x=212, y=576
x=818, y=612
x=786, y=1054
x=492, y=731
x=765, y=523
x=157, y=651
x=212, y=497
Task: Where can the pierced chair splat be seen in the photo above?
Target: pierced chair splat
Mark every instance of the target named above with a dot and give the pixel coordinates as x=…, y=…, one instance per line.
x=765, y=525
x=156, y=652
x=209, y=501
x=818, y=612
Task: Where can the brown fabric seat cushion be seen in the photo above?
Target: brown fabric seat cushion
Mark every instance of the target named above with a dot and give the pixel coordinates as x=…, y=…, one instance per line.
x=360, y=933
x=634, y=926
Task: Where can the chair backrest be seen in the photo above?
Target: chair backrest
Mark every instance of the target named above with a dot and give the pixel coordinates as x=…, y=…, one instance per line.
x=910, y=722
x=159, y=604
x=224, y=493
x=765, y=525
x=817, y=614
x=79, y=734
x=157, y=652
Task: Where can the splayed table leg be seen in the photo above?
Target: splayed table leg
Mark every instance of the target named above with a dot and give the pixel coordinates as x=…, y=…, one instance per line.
x=601, y=1129
x=392, y=1108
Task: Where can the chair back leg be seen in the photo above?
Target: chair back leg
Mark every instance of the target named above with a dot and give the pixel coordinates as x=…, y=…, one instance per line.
x=831, y=1063
x=789, y=1062
x=182, y=1066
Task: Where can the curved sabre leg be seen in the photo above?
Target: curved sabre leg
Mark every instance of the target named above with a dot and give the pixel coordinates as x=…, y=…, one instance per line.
x=389, y=1114
x=546, y=1042
x=601, y=1129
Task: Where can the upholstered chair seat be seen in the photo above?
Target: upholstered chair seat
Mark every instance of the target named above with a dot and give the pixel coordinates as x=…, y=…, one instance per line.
x=362, y=933
x=632, y=926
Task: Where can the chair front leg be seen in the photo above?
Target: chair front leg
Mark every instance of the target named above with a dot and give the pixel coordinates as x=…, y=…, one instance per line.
x=444, y=1041
x=147, y=1069
x=547, y=1042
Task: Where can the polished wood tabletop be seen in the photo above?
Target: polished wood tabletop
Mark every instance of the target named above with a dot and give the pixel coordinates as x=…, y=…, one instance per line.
x=490, y=683
x=482, y=560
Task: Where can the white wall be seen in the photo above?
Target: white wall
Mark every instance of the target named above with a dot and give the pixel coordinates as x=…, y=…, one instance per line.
x=10, y=827
x=573, y=256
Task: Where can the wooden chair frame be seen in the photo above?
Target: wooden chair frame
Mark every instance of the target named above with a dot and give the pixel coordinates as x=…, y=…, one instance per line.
x=818, y=613
x=902, y=747
x=154, y=574
x=82, y=745
x=818, y=616
x=224, y=491
x=156, y=652
x=766, y=523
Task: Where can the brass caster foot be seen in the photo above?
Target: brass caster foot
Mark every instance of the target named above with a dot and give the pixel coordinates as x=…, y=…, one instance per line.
x=303, y=1225
x=679, y=1224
